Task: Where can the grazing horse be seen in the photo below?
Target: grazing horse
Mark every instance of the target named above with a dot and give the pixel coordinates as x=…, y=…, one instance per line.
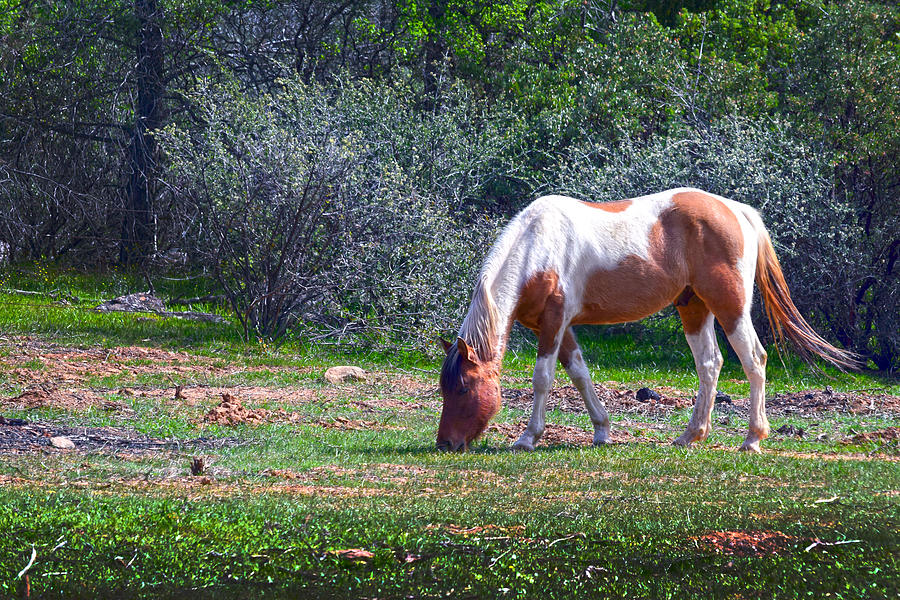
x=564, y=262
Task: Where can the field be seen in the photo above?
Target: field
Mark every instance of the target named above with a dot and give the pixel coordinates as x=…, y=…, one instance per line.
x=303, y=488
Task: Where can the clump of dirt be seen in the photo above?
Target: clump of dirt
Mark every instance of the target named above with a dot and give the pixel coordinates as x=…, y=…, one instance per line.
x=747, y=543
x=230, y=412
x=888, y=434
x=50, y=396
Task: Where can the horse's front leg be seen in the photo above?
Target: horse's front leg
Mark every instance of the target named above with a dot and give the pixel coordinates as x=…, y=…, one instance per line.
x=571, y=359
x=549, y=342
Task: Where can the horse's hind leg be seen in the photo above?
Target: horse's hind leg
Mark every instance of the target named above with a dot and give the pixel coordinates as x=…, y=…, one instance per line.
x=701, y=336
x=572, y=360
x=753, y=358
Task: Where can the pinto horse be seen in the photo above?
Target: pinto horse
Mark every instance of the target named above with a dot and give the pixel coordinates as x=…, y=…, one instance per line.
x=563, y=262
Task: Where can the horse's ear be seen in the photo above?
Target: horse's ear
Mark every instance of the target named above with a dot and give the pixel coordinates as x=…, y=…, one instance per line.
x=447, y=345
x=466, y=351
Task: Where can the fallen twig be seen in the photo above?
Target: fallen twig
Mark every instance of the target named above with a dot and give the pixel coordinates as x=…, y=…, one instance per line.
x=563, y=539
x=820, y=543
x=30, y=563
x=494, y=562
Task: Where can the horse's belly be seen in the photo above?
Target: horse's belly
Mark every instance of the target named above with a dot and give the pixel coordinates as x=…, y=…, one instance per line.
x=632, y=291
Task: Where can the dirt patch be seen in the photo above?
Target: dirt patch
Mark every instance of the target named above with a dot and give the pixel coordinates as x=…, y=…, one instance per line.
x=812, y=402
x=748, y=543
x=202, y=394
x=19, y=437
x=379, y=474
x=888, y=434
x=850, y=456
x=563, y=435
x=566, y=398
x=513, y=531
x=231, y=411
x=37, y=362
x=48, y=396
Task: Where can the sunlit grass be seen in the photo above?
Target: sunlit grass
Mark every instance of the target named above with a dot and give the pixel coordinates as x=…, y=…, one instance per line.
x=624, y=521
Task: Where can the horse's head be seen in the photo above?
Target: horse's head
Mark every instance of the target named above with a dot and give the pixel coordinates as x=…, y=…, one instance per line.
x=471, y=391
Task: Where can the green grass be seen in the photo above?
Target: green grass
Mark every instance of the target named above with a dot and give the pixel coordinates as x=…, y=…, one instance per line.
x=621, y=522
x=627, y=521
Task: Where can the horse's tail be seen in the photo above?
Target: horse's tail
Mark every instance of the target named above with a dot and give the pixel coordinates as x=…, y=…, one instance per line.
x=784, y=318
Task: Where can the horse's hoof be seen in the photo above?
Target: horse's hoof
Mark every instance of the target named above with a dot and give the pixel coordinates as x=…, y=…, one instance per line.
x=523, y=446
x=601, y=438
x=683, y=441
x=751, y=446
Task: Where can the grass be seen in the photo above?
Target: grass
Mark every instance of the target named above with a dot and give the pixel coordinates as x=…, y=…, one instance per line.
x=279, y=501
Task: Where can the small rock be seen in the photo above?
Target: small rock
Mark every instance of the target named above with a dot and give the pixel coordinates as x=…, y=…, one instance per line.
x=646, y=394
x=344, y=374
x=145, y=302
x=62, y=442
x=722, y=398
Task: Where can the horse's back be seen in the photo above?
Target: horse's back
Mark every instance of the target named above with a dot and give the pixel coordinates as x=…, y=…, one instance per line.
x=623, y=260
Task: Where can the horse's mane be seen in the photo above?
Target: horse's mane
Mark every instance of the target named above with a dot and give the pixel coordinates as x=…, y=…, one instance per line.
x=481, y=328
x=450, y=368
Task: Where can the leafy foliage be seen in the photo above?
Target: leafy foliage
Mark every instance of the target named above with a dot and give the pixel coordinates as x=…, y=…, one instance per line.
x=475, y=104
x=334, y=209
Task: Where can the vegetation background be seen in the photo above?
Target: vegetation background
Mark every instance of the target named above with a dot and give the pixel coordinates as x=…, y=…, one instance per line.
x=336, y=168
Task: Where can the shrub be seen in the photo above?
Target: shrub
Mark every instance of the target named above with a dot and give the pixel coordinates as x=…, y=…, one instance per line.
x=334, y=212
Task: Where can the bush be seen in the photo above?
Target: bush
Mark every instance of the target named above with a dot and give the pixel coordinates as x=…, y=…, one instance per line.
x=333, y=212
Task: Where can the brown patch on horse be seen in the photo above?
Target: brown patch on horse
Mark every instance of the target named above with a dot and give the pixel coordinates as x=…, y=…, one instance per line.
x=692, y=310
x=541, y=308
x=635, y=288
x=613, y=207
x=567, y=348
x=713, y=245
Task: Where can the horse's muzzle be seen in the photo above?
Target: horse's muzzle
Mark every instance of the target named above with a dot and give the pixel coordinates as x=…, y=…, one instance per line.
x=448, y=446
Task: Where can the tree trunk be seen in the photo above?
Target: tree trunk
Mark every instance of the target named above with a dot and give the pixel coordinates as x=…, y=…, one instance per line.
x=137, y=234
x=435, y=51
